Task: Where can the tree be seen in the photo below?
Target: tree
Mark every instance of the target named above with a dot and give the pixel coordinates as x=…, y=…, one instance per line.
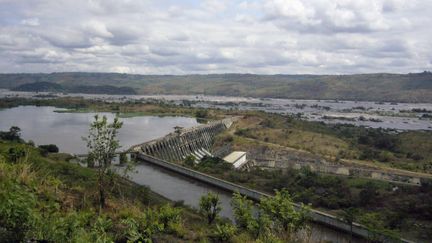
x=243, y=215
x=49, y=148
x=281, y=210
x=14, y=134
x=16, y=153
x=210, y=206
x=349, y=215
x=102, y=143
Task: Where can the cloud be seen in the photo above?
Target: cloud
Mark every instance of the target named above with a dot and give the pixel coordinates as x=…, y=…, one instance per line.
x=30, y=22
x=331, y=15
x=97, y=28
x=254, y=36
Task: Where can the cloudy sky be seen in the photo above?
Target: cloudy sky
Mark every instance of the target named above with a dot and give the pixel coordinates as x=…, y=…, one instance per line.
x=216, y=36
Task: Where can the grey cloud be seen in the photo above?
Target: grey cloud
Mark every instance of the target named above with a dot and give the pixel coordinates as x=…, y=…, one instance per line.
x=167, y=37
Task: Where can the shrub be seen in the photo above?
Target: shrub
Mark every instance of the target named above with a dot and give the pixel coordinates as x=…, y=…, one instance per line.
x=210, y=206
x=224, y=232
x=243, y=215
x=16, y=211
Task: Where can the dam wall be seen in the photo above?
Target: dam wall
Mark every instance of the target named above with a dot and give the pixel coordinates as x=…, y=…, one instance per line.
x=176, y=146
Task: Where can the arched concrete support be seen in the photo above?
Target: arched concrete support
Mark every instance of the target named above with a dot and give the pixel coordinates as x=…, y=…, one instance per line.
x=172, y=149
x=169, y=150
x=175, y=147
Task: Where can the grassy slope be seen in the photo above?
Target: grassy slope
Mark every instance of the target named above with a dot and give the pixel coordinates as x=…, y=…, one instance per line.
x=325, y=141
x=72, y=189
x=372, y=87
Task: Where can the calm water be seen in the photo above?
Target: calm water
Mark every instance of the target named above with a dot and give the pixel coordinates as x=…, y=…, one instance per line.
x=45, y=126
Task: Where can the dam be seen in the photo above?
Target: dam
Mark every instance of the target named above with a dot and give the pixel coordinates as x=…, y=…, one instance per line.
x=196, y=141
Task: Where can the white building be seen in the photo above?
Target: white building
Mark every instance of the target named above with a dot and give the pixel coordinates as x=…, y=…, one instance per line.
x=236, y=158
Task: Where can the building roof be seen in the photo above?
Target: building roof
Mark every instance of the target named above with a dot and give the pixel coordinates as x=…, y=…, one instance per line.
x=237, y=158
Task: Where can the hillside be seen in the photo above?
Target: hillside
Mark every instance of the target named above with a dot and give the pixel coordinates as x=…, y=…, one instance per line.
x=85, y=89
x=413, y=87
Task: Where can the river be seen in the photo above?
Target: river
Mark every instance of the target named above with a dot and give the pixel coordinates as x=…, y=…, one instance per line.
x=44, y=125
x=388, y=115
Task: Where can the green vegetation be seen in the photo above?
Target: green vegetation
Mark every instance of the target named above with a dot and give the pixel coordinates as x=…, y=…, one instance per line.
x=379, y=148
x=210, y=206
x=276, y=216
x=49, y=148
x=415, y=87
x=14, y=134
x=47, y=199
x=383, y=207
x=402, y=210
x=102, y=144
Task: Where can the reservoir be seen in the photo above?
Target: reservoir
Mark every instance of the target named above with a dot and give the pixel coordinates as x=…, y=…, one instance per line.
x=44, y=125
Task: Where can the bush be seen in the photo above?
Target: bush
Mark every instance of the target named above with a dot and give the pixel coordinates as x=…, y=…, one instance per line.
x=16, y=153
x=14, y=134
x=210, y=206
x=243, y=215
x=52, y=148
x=49, y=148
x=16, y=211
x=189, y=161
x=224, y=232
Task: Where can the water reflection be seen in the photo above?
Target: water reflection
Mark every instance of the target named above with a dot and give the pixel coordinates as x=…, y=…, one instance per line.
x=44, y=126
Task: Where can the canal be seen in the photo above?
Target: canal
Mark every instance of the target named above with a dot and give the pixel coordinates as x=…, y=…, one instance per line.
x=181, y=188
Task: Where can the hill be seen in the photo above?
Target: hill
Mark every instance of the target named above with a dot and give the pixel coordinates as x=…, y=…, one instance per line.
x=413, y=87
x=85, y=89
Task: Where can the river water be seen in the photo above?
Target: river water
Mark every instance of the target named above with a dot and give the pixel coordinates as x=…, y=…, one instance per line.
x=399, y=116
x=45, y=126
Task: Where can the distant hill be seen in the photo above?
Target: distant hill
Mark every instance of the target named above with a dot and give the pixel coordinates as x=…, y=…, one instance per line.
x=40, y=87
x=413, y=87
x=85, y=89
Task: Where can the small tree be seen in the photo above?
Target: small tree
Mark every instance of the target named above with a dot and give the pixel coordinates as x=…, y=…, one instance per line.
x=243, y=215
x=281, y=210
x=102, y=143
x=210, y=206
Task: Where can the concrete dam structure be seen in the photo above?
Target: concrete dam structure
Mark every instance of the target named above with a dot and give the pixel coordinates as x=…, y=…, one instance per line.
x=196, y=141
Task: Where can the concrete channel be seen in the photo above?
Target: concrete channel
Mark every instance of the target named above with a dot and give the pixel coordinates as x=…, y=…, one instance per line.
x=319, y=217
